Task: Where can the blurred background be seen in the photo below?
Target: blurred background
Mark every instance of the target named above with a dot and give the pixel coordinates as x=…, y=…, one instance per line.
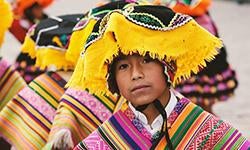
x=233, y=22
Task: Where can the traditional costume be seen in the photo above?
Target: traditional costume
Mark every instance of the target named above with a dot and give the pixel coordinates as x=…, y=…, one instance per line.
x=182, y=46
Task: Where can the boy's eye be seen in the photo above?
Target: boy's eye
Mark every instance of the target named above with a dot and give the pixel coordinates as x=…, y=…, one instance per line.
x=122, y=66
x=147, y=60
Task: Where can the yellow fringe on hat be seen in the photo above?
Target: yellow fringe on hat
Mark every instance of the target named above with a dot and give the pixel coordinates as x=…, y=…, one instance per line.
x=47, y=57
x=29, y=46
x=189, y=45
x=77, y=41
x=6, y=18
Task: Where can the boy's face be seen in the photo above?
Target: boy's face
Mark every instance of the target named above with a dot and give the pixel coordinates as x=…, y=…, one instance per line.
x=38, y=12
x=140, y=79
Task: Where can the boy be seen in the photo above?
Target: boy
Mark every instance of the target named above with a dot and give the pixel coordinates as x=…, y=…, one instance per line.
x=139, y=52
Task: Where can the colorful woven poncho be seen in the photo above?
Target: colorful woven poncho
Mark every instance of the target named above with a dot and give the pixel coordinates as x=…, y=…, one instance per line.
x=10, y=82
x=26, y=120
x=190, y=127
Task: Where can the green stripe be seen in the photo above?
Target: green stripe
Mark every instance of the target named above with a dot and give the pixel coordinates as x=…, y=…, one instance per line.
x=15, y=88
x=106, y=139
x=98, y=12
x=22, y=128
x=185, y=126
x=42, y=95
x=238, y=143
x=111, y=100
x=101, y=100
x=210, y=133
x=224, y=139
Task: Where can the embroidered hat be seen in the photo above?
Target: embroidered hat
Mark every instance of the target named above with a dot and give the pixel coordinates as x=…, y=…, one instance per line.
x=153, y=30
x=84, y=27
x=48, y=40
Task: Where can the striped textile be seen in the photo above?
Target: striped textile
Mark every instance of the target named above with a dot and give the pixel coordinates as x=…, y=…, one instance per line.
x=190, y=128
x=26, y=120
x=82, y=113
x=10, y=82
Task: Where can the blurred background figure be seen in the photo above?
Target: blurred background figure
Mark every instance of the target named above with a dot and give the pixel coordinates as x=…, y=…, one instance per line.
x=30, y=113
x=10, y=80
x=27, y=13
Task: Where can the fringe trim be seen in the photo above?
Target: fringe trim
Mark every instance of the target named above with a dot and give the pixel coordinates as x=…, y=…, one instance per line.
x=48, y=57
x=188, y=45
x=29, y=46
x=63, y=140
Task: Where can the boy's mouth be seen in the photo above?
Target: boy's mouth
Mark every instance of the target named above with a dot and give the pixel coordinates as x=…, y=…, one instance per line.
x=139, y=88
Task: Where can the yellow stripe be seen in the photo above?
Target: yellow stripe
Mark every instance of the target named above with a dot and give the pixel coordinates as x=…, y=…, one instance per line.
x=62, y=121
x=106, y=101
x=5, y=76
x=115, y=136
x=86, y=111
x=11, y=134
x=52, y=86
x=119, y=104
x=23, y=128
x=8, y=84
x=179, y=120
x=45, y=95
x=30, y=121
x=12, y=90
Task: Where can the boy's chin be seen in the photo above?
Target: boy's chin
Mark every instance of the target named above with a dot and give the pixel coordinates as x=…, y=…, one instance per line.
x=142, y=101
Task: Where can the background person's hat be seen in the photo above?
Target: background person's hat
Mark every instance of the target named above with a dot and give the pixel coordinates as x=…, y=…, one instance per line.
x=48, y=41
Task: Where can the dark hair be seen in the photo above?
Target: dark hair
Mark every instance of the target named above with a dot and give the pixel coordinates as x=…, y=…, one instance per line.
x=112, y=85
x=29, y=14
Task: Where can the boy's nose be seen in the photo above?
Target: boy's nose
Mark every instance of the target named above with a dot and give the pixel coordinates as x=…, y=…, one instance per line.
x=137, y=73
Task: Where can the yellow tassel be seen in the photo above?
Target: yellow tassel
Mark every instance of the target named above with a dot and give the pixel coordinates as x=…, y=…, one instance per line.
x=29, y=46
x=6, y=18
x=77, y=41
x=56, y=39
x=46, y=57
